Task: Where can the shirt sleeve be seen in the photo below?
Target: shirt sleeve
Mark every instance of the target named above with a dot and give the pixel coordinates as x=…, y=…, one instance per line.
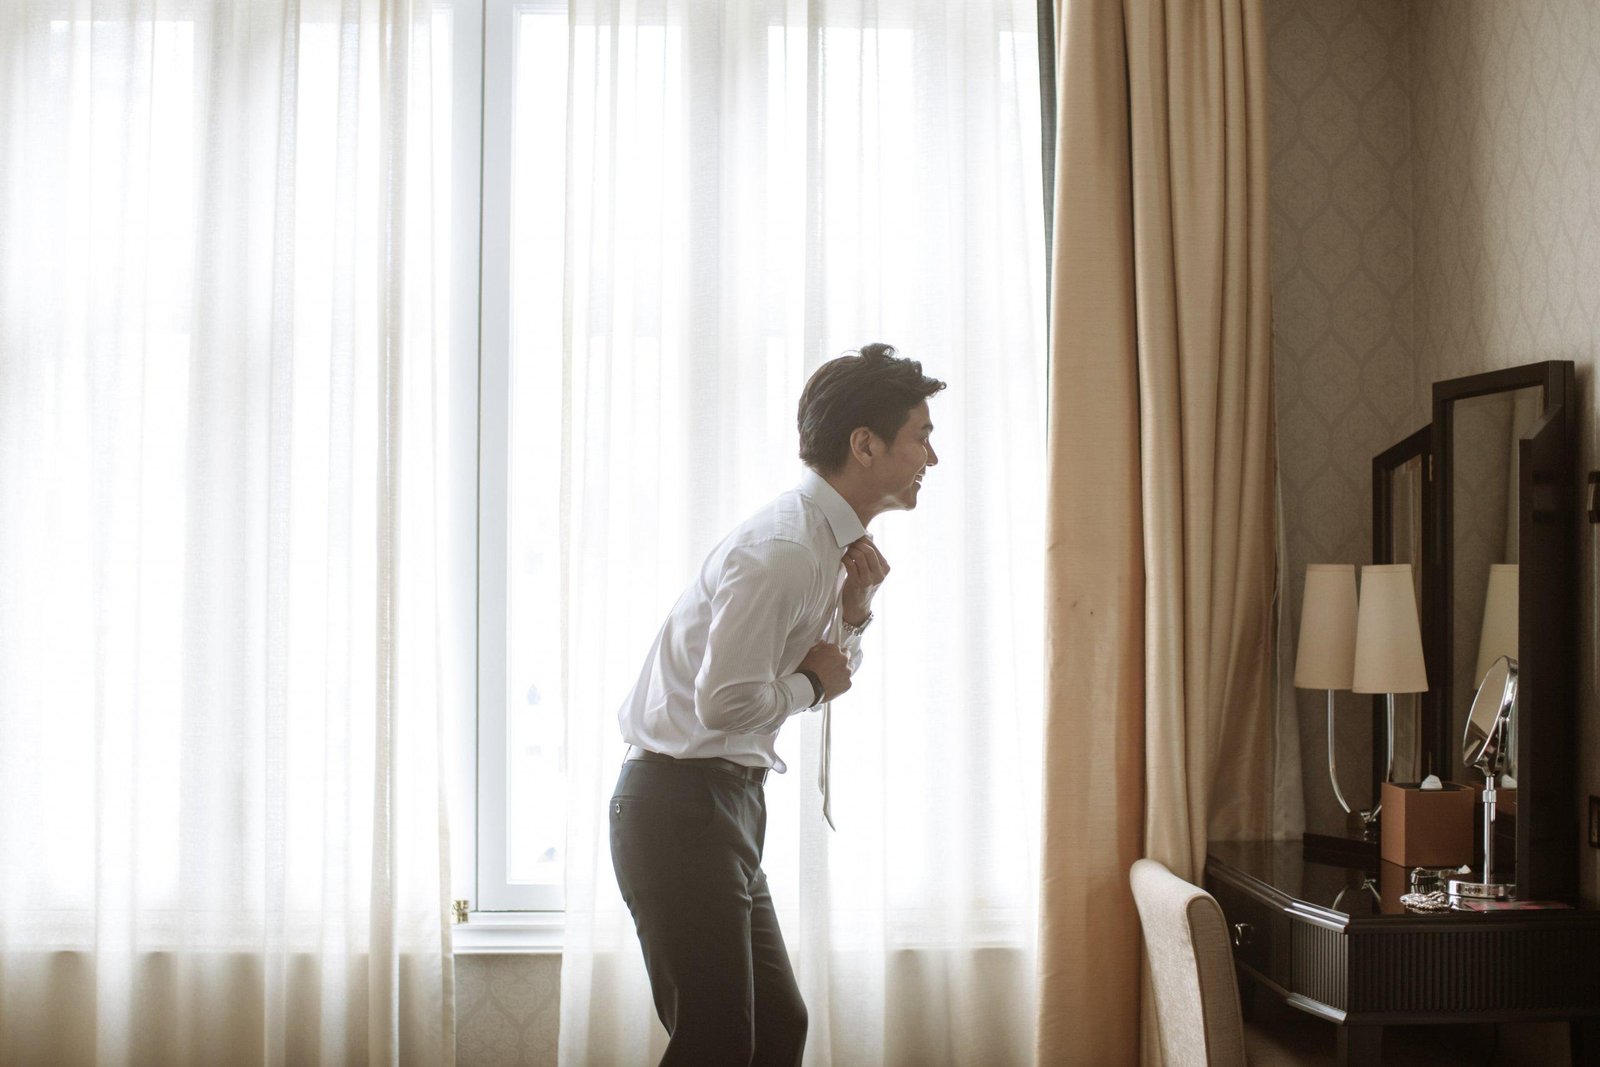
x=743, y=685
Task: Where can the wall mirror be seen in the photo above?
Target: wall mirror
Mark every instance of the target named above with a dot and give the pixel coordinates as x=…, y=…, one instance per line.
x=1500, y=582
x=1402, y=524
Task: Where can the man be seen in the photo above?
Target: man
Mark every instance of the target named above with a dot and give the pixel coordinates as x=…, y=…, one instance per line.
x=742, y=651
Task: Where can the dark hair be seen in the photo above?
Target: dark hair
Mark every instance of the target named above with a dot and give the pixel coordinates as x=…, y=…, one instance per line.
x=872, y=388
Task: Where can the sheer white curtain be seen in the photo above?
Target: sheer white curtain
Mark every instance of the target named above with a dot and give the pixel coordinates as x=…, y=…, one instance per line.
x=221, y=825
x=750, y=189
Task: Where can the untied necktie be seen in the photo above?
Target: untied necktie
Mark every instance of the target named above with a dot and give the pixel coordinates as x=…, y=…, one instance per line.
x=833, y=632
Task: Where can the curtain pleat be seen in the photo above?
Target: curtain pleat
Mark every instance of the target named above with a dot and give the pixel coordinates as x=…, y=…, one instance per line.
x=1161, y=551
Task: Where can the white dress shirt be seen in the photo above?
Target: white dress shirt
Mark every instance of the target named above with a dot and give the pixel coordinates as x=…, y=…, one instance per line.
x=720, y=678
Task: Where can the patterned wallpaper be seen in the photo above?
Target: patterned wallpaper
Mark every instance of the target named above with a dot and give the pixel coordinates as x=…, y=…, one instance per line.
x=508, y=1010
x=1340, y=240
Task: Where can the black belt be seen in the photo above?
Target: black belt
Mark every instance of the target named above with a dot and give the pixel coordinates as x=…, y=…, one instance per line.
x=757, y=775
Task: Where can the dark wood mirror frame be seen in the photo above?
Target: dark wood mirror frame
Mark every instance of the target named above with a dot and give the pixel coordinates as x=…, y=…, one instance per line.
x=1546, y=731
x=1384, y=465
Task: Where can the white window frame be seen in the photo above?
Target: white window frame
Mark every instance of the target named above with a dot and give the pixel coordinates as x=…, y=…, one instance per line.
x=483, y=167
x=505, y=917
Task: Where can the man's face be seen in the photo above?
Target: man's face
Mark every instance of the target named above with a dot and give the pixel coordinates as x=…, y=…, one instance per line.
x=898, y=474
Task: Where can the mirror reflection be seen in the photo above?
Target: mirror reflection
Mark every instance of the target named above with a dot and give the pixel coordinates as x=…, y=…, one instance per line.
x=1483, y=744
x=1483, y=593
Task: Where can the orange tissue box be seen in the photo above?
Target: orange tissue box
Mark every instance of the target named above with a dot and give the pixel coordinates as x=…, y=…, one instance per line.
x=1427, y=827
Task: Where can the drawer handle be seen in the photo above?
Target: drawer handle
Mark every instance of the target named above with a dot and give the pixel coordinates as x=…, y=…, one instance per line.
x=1243, y=935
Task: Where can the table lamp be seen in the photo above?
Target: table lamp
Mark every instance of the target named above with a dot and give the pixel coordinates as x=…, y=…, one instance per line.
x=1326, y=651
x=1388, y=648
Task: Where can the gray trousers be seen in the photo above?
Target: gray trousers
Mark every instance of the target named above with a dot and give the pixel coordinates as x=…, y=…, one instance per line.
x=686, y=843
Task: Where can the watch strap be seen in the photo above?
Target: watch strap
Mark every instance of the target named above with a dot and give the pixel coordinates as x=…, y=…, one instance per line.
x=817, y=692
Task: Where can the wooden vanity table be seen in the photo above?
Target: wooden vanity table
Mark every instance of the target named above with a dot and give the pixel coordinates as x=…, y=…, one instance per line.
x=1318, y=938
x=1490, y=482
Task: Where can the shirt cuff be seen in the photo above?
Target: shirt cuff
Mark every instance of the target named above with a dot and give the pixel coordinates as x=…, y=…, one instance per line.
x=800, y=691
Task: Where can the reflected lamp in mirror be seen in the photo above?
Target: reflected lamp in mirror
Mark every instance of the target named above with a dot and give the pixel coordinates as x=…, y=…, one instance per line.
x=1326, y=653
x=1388, y=647
x=1483, y=748
x=1498, y=636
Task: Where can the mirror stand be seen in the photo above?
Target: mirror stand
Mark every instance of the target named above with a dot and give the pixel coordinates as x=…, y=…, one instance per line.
x=1488, y=889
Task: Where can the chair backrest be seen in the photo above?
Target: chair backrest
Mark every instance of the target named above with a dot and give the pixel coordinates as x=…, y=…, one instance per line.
x=1191, y=967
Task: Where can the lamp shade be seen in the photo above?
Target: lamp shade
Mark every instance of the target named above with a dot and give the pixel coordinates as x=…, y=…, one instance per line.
x=1499, y=634
x=1388, y=635
x=1326, y=654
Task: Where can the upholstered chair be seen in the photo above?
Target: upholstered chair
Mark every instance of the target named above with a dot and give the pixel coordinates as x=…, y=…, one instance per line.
x=1191, y=967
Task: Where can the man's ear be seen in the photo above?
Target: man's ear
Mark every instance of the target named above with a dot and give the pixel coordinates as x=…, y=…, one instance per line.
x=863, y=445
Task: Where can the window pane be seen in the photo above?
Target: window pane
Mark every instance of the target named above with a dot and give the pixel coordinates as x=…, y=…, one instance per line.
x=535, y=763
x=676, y=263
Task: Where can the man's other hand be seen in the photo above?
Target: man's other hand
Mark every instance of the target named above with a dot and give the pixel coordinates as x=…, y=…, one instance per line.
x=865, y=569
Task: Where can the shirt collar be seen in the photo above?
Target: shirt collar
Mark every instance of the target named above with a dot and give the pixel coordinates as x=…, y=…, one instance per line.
x=842, y=518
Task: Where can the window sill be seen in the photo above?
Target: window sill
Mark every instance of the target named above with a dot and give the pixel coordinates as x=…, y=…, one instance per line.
x=491, y=933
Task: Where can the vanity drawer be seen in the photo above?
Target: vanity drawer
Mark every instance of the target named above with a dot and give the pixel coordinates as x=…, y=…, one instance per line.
x=1257, y=930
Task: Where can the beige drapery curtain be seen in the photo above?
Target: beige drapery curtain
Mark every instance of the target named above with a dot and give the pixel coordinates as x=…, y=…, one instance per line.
x=1161, y=543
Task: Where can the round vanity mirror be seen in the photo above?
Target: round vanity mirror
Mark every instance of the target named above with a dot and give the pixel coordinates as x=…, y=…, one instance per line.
x=1483, y=747
x=1483, y=742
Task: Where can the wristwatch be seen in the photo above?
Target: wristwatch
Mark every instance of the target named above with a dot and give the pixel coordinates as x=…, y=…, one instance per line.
x=817, y=692
x=852, y=630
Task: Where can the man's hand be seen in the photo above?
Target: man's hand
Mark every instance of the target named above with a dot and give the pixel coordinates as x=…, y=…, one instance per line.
x=865, y=569
x=832, y=668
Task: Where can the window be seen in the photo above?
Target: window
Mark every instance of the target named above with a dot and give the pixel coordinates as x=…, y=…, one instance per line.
x=520, y=770
x=612, y=339
x=773, y=220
